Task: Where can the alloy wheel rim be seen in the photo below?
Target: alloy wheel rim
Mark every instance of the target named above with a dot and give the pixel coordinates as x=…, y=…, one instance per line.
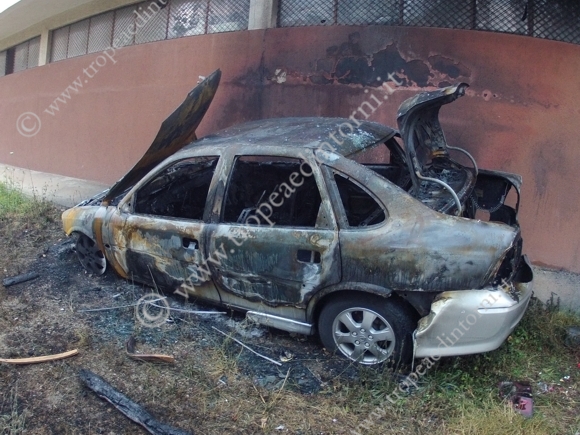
x=90, y=255
x=363, y=335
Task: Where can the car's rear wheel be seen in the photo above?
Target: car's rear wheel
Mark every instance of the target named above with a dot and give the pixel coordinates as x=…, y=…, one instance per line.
x=367, y=329
x=90, y=256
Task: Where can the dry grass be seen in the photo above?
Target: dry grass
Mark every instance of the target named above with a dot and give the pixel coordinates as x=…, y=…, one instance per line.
x=496, y=418
x=216, y=387
x=12, y=420
x=25, y=225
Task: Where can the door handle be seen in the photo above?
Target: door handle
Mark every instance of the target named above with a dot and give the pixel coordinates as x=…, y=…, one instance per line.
x=190, y=244
x=192, y=253
x=306, y=256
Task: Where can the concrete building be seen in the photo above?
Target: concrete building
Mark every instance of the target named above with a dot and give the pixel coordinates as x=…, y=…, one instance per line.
x=85, y=84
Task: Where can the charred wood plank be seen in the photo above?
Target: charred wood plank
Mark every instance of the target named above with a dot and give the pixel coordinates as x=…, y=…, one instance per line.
x=7, y=282
x=126, y=406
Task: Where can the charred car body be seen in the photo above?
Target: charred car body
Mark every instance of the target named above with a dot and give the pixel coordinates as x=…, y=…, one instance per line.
x=386, y=260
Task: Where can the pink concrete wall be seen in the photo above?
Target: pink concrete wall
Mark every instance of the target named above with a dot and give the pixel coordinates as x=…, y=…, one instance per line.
x=521, y=113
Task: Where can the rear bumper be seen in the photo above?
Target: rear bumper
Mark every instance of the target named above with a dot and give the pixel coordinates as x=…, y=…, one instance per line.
x=471, y=321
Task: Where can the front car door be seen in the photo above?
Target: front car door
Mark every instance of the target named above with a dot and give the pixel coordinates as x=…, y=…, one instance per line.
x=159, y=234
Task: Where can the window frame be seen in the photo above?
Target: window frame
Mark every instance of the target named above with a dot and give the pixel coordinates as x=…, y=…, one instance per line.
x=129, y=202
x=339, y=210
x=303, y=154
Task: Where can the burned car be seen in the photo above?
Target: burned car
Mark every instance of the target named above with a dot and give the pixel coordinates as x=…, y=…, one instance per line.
x=410, y=255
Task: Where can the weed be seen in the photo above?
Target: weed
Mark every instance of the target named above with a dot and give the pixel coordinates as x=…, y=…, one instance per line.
x=24, y=222
x=11, y=420
x=499, y=418
x=225, y=359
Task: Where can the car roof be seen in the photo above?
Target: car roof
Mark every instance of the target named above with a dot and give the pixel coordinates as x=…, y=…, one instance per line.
x=351, y=137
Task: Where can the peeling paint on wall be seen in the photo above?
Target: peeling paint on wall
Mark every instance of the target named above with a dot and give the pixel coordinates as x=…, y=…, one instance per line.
x=347, y=63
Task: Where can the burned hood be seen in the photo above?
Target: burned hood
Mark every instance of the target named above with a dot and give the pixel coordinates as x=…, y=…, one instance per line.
x=418, y=120
x=176, y=131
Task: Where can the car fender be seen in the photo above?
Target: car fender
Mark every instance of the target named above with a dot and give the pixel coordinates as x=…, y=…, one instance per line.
x=362, y=287
x=87, y=221
x=80, y=220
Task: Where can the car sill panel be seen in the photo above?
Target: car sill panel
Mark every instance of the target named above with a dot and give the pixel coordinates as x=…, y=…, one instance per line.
x=280, y=323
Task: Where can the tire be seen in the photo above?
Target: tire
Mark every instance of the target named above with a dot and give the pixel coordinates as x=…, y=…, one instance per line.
x=368, y=329
x=90, y=256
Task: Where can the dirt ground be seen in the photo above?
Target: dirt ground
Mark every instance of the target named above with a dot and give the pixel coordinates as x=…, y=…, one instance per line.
x=217, y=387
x=44, y=316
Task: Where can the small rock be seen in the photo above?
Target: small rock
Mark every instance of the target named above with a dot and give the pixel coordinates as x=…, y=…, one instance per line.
x=573, y=336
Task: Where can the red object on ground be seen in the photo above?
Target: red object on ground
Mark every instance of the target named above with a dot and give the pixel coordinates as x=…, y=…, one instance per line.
x=520, y=395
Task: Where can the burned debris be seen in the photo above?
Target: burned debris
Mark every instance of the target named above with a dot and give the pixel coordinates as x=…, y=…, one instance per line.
x=179, y=191
x=14, y=280
x=126, y=406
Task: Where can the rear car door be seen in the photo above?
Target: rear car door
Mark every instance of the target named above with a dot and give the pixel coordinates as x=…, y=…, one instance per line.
x=276, y=241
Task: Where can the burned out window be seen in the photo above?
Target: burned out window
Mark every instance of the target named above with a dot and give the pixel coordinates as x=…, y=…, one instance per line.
x=272, y=191
x=360, y=207
x=388, y=161
x=179, y=191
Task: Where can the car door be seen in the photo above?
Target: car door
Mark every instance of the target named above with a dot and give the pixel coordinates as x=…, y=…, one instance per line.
x=160, y=237
x=276, y=241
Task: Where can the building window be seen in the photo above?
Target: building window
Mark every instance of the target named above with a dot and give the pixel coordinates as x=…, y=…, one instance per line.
x=454, y=14
x=306, y=13
x=3, y=63
x=227, y=16
x=20, y=57
x=100, y=31
x=187, y=18
x=368, y=12
x=148, y=22
x=78, y=38
x=551, y=19
x=556, y=20
x=59, y=44
x=502, y=16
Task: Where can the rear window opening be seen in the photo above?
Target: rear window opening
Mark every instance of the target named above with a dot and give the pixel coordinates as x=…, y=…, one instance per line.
x=387, y=161
x=360, y=207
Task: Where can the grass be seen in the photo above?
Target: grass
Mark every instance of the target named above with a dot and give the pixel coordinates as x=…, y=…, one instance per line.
x=24, y=223
x=13, y=203
x=12, y=421
x=462, y=393
x=209, y=388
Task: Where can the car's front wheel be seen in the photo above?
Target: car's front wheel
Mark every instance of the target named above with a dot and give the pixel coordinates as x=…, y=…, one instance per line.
x=367, y=329
x=90, y=256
